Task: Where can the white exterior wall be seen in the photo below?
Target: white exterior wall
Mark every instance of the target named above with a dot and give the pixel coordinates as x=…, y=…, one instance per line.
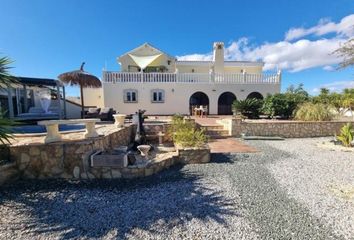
x=193, y=68
x=177, y=95
x=93, y=97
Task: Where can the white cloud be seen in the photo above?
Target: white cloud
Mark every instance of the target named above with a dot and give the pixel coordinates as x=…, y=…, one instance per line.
x=328, y=68
x=196, y=57
x=344, y=28
x=292, y=56
x=296, y=56
x=335, y=86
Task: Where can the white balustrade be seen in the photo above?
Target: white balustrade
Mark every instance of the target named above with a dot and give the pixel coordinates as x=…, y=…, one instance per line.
x=201, y=78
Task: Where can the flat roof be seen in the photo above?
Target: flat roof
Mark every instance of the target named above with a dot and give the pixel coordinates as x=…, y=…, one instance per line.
x=38, y=81
x=226, y=63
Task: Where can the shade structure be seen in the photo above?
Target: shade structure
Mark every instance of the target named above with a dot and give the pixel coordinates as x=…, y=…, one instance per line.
x=144, y=61
x=81, y=78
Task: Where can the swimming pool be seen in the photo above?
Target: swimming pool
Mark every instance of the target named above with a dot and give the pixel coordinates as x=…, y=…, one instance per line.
x=31, y=129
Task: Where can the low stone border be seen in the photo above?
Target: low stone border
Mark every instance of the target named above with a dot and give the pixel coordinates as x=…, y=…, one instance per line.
x=194, y=155
x=133, y=171
x=181, y=156
x=287, y=129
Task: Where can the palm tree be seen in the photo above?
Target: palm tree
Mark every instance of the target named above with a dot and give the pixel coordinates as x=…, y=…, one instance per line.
x=348, y=98
x=5, y=80
x=5, y=77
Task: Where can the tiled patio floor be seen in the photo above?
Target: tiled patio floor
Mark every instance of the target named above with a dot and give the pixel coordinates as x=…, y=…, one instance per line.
x=230, y=145
x=209, y=120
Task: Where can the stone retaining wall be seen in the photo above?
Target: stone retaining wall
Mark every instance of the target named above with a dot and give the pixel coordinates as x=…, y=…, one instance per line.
x=288, y=129
x=70, y=159
x=62, y=159
x=133, y=171
x=194, y=155
x=153, y=129
x=181, y=156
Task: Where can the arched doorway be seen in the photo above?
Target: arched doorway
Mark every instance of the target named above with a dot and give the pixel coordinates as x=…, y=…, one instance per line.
x=255, y=95
x=225, y=103
x=198, y=99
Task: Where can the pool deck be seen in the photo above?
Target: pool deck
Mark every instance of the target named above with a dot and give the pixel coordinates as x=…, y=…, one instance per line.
x=36, y=139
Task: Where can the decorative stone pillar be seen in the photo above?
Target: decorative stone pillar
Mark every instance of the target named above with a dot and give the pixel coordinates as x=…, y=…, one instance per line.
x=119, y=120
x=91, y=130
x=236, y=127
x=53, y=134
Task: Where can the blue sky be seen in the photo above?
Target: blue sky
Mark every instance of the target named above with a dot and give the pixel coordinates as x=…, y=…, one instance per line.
x=47, y=37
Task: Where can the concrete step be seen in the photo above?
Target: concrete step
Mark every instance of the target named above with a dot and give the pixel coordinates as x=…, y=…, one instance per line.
x=215, y=134
x=212, y=127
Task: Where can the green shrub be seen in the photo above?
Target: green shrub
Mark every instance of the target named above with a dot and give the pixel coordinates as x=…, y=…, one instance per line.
x=314, y=112
x=177, y=118
x=5, y=129
x=279, y=104
x=346, y=135
x=186, y=134
x=190, y=137
x=178, y=122
x=250, y=108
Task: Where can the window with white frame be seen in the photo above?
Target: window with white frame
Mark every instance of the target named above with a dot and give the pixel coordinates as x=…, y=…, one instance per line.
x=130, y=96
x=157, y=96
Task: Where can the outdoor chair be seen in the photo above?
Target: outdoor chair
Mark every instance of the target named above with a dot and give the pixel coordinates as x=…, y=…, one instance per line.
x=106, y=114
x=203, y=111
x=92, y=113
x=200, y=111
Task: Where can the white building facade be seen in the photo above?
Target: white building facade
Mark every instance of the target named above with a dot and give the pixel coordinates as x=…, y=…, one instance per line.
x=157, y=82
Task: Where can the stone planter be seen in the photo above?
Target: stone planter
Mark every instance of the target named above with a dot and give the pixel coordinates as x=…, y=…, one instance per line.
x=144, y=150
x=119, y=120
x=192, y=155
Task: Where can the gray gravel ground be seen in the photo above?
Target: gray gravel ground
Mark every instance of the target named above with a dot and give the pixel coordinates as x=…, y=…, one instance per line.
x=280, y=193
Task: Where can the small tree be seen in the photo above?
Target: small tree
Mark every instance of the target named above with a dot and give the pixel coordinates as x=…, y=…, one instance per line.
x=279, y=104
x=298, y=94
x=346, y=51
x=348, y=98
x=323, y=96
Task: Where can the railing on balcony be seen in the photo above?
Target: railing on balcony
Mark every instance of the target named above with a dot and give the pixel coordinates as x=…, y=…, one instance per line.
x=213, y=78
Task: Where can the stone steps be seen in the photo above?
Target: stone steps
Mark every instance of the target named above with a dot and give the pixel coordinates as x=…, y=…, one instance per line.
x=212, y=127
x=218, y=134
x=215, y=131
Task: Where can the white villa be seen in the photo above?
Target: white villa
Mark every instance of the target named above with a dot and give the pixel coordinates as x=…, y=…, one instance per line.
x=159, y=83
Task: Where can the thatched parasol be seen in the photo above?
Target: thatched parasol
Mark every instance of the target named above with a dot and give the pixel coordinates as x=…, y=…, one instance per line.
x=82, y=78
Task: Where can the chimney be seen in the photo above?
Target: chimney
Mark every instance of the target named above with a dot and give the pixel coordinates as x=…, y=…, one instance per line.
x=218, y=57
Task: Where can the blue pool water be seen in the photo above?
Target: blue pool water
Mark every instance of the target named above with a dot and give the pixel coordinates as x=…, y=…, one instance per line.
x=23, y=129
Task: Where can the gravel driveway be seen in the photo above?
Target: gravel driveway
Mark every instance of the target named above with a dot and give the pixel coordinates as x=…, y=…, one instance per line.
x=287, y=191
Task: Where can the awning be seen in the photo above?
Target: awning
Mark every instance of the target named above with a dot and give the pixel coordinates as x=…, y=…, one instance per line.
x=38, y=81
x=144, y=61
